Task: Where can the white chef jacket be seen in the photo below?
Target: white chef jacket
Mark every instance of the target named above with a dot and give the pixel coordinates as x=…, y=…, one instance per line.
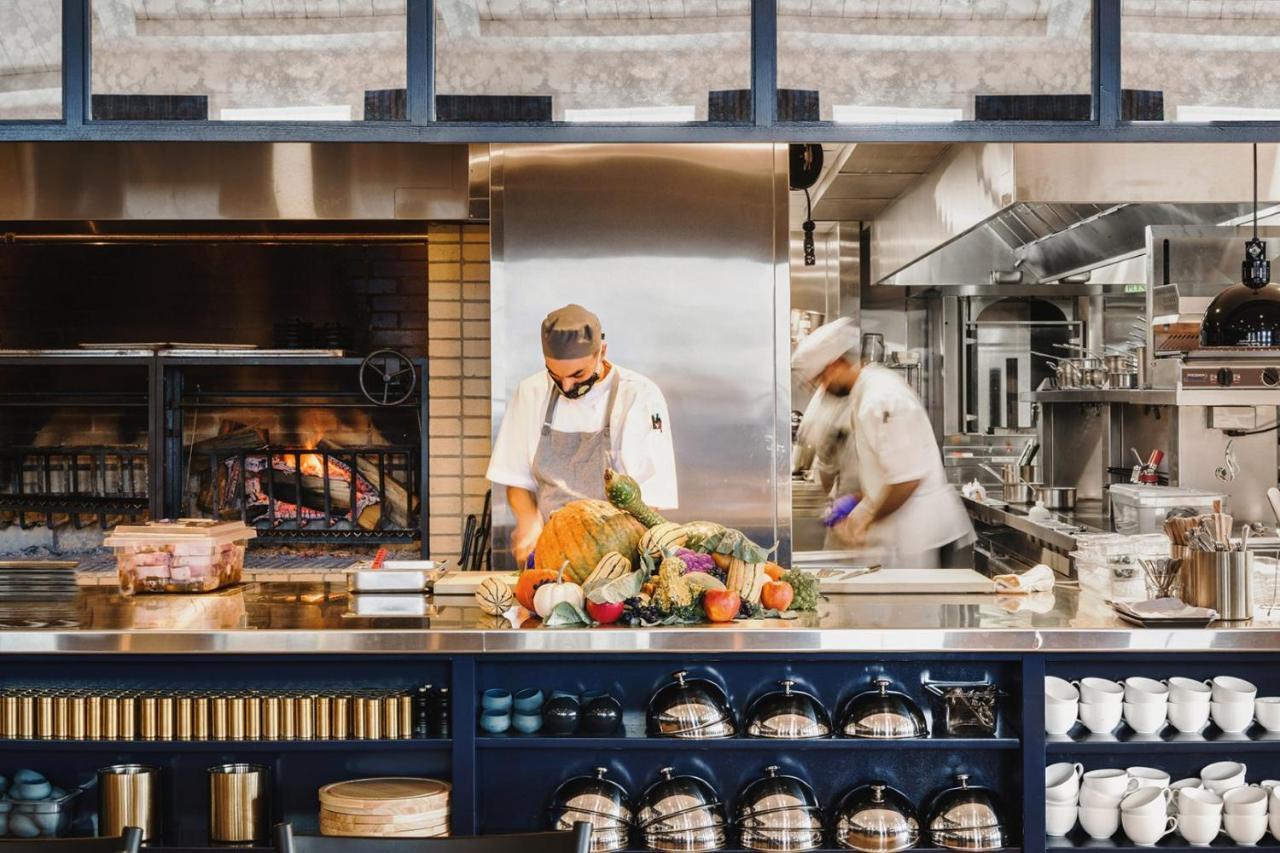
x=641, y=432
x=895, y=444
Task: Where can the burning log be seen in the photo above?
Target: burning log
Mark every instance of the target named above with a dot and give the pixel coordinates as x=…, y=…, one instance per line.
x=398, y=504
x=285, y=487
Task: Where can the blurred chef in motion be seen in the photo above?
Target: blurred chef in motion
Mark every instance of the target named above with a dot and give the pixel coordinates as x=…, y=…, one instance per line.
x=902, y=506
x=569, y=422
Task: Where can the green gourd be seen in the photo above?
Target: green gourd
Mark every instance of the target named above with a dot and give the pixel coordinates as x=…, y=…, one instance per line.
x=624, y=493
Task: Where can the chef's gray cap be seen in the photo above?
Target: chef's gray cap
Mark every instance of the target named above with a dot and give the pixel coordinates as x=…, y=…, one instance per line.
x=571, y=332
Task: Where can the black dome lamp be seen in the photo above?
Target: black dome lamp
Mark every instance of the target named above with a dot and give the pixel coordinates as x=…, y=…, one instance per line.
x=1246, y=314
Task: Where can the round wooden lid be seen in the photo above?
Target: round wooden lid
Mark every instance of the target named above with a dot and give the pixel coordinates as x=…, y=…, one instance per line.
x=365, y=819
x=384, y=792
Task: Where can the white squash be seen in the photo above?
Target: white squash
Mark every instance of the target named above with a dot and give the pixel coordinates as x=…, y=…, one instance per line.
x=494, y=596
x=557, y=592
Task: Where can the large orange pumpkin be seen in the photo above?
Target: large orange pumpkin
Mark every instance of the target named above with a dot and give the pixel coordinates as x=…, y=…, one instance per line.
x=582, y=532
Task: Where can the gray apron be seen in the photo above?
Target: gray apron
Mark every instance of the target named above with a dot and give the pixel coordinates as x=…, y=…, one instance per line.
x=569, y=466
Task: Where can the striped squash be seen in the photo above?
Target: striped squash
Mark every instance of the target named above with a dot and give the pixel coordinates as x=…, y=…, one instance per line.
x=657, y=541
x=494, y=596
x=581, y=533
x=746, y=579
x=611, y=565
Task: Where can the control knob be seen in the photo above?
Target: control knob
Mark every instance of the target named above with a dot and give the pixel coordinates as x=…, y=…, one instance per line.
x=1226, y=377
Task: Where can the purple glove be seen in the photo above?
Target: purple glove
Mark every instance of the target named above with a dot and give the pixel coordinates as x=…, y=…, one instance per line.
x=839, y=510
x=528, y=563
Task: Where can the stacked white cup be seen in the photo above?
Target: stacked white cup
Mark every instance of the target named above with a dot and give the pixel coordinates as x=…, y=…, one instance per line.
x=1144, y=814
x=1231, y=702
x=1272, y=787
x=1199, y=815
x=1146, y=704
x=1101, y=704
x=1244, y=814
x=1061, y=705
x=1061, y=795
x=1100, y=794
x=1189, y=704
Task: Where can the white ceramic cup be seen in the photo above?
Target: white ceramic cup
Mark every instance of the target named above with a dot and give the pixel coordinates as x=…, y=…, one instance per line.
x=1101, y=717
x=1099, y=823
x=1062, y=782
x=1245, y=829
x=1249, y=799
x=1232, y=716
x=1182, y=689
x=1221, y=776
x=1140, y=689
x=1198, y=801
x=1146, y=717
x=1093, y=798
x=1096, y=691
x=1189, y=717
x=1228, y=688
x=1189, y=782
x=1147, y=801
x=1199, y=829
x=1110, y=781
x=1269, y=784
x=1145, y=830
x=1059, y=819
x=1149, y=777
x=1267, y=710
x=1060, y=716
x=1060, y=689
x=1274, y=813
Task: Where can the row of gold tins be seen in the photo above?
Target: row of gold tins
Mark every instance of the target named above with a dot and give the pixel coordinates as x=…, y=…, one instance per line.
x=87, y=715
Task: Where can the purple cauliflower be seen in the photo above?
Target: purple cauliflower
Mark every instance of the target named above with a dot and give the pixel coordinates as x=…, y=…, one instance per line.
x=695, y=562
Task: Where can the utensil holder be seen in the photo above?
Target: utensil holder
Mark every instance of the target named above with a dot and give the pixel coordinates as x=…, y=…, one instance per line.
x=129, y=795
x=238, y=806
x=1222, y=580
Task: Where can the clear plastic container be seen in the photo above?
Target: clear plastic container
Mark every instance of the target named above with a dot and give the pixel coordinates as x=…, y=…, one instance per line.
x=37, y=818
x=183, y=556
x=1139, y=509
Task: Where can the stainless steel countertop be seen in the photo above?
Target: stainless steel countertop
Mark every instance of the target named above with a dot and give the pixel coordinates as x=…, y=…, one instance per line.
x=1087, y=518
x=313, y=618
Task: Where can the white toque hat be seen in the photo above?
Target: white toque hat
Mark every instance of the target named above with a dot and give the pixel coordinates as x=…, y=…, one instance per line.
x=822, y=346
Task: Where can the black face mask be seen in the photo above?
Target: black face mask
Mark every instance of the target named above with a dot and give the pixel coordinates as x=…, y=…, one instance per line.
x=580, y=389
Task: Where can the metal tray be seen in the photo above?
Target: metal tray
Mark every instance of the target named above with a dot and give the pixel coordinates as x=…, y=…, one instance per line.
x=421, y=578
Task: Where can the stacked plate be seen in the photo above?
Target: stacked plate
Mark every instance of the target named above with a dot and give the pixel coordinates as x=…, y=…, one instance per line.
x=388, y=807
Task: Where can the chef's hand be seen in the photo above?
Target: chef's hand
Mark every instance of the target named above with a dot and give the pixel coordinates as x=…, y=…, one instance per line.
x=523, y=540
x=856, y=526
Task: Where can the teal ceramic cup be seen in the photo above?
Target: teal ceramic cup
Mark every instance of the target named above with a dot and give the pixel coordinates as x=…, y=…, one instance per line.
x=496, y=699
x=495, y=722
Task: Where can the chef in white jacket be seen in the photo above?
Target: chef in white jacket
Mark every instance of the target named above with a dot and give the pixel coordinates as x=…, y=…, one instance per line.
x=907, y=511
x=567, y=423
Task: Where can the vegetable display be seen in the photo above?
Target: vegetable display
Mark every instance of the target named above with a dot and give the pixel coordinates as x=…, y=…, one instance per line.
x=597, y=563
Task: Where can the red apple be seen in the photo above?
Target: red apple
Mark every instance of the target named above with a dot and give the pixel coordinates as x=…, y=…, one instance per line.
x=777, y=595
x=721, y=605
x=605, y=614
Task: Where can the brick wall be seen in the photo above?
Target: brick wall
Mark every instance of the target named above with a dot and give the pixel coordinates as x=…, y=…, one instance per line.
x=457, y=321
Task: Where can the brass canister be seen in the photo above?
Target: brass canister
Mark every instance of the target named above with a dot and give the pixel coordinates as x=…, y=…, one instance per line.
x=129, y=795
x=200, y=718
x=406, y=715
x=358, y=724
x=165, y=717
x=127, y=705
x=324, y=725
x=288, y=717
x=271, y=718
x=253, y=717
x=93, y=717
x=221, y=726
x=184, y=725
x=238, y=807
x=9, y=717
x=148, y=726
x=306, y=711
x=110, y=718
x=372, y=718
x=391, y=717
x=341, y=725
x=77, y=722
x=28, y=726
x=61, y=717
x=44, y=710
x=235, y=717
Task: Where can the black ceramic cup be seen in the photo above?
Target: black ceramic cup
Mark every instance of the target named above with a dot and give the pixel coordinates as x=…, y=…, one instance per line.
x=601, y=716
x=560, y=716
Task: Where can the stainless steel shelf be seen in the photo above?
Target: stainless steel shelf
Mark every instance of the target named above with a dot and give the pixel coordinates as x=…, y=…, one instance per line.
x=1137, y=396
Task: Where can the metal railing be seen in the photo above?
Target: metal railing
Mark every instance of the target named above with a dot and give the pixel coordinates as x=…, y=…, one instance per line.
x=52, y=486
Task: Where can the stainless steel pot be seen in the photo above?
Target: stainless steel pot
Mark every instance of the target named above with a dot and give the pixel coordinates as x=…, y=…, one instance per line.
x=1056, y=497
x=691, y=708
x=682, y=813
x=779, y=812
x=967, y=818
x=875, y=818
x=1122, y=380
x=884, y=714
x=1021, y=493
x=600, y=802
x=788, y=713
x=1118, y=363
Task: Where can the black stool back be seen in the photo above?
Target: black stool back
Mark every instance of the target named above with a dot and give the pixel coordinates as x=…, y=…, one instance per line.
x=127, y=843
x=578, y=840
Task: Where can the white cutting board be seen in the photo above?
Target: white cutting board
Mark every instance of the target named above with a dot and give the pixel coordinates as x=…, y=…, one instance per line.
x=466, y=583
x=910, y=581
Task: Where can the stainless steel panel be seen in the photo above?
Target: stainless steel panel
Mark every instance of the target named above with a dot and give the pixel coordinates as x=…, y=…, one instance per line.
x=211, y=181
x=682, y=250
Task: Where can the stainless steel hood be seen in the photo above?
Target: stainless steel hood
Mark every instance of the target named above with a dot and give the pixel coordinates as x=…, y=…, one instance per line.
x=1040, y=213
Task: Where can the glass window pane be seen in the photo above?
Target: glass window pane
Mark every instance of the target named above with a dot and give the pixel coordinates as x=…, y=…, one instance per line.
x=249, y=60
x=1202, y=60
x=593, y=60
x=877, y=61
x=30, y=59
